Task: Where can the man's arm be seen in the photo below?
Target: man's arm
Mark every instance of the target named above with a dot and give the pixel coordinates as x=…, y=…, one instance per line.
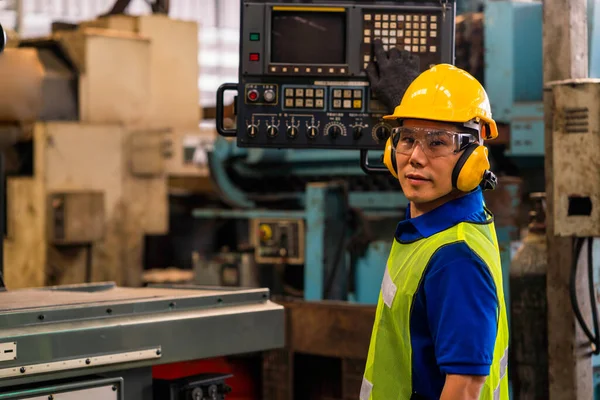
x=462, y=387
x=462, y=306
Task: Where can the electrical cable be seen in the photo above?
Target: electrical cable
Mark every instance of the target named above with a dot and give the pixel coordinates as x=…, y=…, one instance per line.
x=593, y=337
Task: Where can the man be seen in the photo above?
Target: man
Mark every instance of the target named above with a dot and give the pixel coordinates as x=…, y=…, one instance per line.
x=440, y=329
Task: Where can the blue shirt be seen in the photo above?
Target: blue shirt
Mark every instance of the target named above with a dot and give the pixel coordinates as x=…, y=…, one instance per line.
x=453, y=321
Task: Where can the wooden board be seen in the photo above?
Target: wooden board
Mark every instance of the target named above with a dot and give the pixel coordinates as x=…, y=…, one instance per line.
x=25, y=243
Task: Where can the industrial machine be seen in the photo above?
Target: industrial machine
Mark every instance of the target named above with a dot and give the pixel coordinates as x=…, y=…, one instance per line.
x=101, y=340
x=312, y=212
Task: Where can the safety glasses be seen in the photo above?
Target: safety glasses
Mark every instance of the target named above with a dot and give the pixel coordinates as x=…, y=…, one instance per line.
x=434, y=142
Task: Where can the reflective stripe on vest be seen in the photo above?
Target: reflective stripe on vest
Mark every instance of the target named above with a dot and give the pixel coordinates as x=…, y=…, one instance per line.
x=388, y=372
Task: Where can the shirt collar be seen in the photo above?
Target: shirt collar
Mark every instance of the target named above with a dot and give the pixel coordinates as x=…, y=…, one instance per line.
x=462, y=209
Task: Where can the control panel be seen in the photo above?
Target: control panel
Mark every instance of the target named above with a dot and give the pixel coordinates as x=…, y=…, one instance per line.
x=302, y=80
x=276, y=241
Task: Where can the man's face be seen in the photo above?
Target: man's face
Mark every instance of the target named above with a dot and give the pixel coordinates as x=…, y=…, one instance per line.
x=424, y=178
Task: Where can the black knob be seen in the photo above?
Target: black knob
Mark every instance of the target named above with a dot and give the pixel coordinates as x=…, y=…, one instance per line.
x=272, y=131
x=357, y=131
x=334, y=131
x=382, y=132
x=252, y=130
x=292, y=132
x=312, y=132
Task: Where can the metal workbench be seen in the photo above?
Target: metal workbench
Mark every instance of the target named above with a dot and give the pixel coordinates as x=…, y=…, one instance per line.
x=57, y=333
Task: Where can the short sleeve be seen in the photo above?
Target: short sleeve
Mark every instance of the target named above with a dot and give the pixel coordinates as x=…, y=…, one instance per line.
x=462, y=305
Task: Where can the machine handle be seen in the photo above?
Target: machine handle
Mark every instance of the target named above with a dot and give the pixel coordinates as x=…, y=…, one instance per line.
x=373, y=170
x=221, y=111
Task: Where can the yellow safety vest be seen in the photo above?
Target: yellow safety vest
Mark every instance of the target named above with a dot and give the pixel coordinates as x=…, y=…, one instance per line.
x=388, y=373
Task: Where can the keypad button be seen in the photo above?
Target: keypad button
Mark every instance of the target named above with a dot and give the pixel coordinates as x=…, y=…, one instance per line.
x=337, y=93
x=367, y=40
x=289, y=92
x=310, y=92
x=423, y=25
x=423, y=33
x=347, y=103
x=406, y=40
x=393, y=25
x=433, y=33
x=386, y=47
x=400, y=18
x=409, y=18
x=357, y=104
x=367, y=32
x=377, y=24
x=385, y=25
x=415, y=41
x=366, y=58
x=365, y=65
x=385, y=32
x=309, y=102
x=423, y=41
x=423, y=18
x=408, y=25
x=289, y=102
x=392, y=33
x=393, y=40
x=432, y=49
x=433, y=26
x=347, y=94
x=433, y=18
x=386, y=17
x=415, y=49
x=400, y=33
x=319, y=92
x=385, y=40
x=357, y=93
x=299, y=102
x=377, y=32
x=408, y=34
x=337, y=104
x=423, y=49
x=407, y=48
x=377, y=17
x=319, y=103
x=299, y=92
x=367, y=17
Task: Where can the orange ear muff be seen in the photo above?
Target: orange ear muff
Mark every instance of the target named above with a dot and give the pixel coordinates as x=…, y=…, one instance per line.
x=389, y=157
x=471, y=168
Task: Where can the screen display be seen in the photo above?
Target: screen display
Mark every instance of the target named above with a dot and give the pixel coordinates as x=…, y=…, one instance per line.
x=308, y=37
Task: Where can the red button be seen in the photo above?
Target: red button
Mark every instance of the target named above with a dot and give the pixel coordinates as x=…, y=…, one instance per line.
x=254, y=57
x=252, y=95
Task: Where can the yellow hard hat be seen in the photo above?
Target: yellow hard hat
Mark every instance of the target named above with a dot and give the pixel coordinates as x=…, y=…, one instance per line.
x=448, y=94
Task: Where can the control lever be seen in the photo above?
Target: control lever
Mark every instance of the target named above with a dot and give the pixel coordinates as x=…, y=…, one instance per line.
x=221, y=110
x=368, y=169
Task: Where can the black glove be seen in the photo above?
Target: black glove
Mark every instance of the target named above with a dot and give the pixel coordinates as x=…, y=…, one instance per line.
x=391, y=73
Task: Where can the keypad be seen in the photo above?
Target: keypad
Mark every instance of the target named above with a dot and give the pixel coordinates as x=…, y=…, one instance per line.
x=304, y=98
x=417, y=33
x=346, y=99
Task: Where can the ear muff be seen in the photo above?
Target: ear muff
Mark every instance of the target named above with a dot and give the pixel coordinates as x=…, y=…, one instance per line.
x=472, y=169
x=389, y=157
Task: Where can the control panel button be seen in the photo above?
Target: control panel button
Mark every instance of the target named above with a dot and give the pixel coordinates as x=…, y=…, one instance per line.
x=269, y=95
x=253, y=95
x=319, y=103
x=312, y=132
x=319, y=93
x=382, y=132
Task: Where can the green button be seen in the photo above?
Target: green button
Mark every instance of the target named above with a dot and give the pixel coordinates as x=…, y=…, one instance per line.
x=255, y=37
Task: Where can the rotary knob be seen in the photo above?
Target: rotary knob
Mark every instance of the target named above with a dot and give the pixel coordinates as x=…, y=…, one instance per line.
x=382, y=132
x=312, y=132
x=272, y=131
x=269, y=95
x=357, y=132
x=252, y=131
x=292, y=132
x=334, y=131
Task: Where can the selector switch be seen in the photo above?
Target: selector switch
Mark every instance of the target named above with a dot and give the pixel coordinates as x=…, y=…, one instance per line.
x=334, y=131
x=292, y=132
x=381, y=132
x=312, y=132
x=252, y=131
x=357, y=132
x=272, y=131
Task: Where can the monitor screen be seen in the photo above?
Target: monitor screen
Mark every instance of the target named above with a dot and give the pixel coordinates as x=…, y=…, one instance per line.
x=308, y=37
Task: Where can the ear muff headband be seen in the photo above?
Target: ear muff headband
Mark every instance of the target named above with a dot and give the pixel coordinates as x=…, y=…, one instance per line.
x=471, y=168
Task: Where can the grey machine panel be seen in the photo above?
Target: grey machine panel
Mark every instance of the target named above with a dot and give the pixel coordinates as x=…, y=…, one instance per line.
x=104, y=389
x=61, y=332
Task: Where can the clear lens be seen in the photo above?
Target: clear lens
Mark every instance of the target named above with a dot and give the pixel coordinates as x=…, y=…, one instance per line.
x=434, y=142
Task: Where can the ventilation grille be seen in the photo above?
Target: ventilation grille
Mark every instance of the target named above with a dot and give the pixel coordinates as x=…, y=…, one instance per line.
x=576, y=120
